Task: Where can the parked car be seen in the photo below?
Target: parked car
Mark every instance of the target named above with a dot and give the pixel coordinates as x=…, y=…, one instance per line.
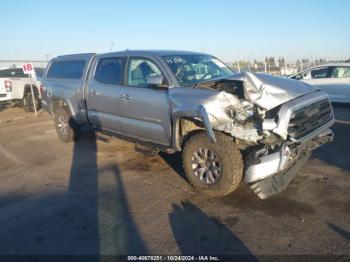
x=333, y=79
x=228, y=126
x=15, y=87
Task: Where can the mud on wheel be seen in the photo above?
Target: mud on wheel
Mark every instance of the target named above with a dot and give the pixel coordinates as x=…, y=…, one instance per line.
x=213, y=168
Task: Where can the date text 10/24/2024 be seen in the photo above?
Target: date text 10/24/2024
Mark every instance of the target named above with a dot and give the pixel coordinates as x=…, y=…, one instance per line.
x=173, y=258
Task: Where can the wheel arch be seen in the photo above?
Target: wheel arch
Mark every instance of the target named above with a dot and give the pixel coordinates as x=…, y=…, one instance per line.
x=27, y=89
x=188, y=121
x=59, y=102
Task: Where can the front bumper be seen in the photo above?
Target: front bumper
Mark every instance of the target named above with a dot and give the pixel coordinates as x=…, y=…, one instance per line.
x=271, y=164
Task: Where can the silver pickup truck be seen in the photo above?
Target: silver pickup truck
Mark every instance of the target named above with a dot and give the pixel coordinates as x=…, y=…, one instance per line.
x=229, y=127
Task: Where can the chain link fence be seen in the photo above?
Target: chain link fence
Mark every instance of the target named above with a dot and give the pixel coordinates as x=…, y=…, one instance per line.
x=274, y=68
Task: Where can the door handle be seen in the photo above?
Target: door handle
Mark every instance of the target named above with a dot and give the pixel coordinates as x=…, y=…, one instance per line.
x=126, y=97
x=94, y=92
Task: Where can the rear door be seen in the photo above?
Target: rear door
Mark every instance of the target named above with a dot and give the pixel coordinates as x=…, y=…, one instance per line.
x=104, y=90
x=145, y=109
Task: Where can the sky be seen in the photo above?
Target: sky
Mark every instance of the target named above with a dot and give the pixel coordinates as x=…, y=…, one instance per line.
x=230, y=30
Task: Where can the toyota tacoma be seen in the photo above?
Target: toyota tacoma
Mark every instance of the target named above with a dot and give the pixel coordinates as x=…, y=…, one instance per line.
x=228, y=127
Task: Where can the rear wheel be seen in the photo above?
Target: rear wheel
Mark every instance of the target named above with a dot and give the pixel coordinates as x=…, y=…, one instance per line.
x=215, y=169
x=67, y=129
x=28, y=104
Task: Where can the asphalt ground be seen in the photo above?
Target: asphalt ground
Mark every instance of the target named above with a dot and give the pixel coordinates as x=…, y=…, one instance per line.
x=98, y=196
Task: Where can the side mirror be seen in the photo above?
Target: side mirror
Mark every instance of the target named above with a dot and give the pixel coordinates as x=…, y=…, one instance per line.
x=156, y=81
x=305, y=75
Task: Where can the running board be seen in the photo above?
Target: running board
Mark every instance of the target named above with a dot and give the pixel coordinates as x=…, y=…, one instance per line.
x=146, y=150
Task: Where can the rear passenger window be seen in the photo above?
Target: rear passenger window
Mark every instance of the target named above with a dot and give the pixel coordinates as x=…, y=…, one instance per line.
x=18, y=72
x=67, y=69
x=110, y=71
x=13, y=73
x=6, y=73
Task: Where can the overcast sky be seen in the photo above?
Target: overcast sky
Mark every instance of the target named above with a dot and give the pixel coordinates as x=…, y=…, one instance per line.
x=229, y=29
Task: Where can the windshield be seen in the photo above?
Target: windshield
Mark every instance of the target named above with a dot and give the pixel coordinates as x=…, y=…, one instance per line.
x=193, y=69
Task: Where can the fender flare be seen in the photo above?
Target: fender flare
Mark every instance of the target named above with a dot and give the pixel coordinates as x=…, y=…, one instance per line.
x=63, y=103
x=198, y=112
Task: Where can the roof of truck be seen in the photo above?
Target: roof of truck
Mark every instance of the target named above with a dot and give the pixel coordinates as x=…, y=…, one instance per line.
x=156, y=52
x=87, y=56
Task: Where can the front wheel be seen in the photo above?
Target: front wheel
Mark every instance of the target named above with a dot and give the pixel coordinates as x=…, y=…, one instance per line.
x=66, y=128
x=215, y=169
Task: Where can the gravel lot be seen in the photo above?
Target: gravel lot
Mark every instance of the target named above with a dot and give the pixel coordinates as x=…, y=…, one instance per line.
x=98, y=196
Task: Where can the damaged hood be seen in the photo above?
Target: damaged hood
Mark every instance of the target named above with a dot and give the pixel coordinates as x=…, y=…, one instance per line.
x=269, y=91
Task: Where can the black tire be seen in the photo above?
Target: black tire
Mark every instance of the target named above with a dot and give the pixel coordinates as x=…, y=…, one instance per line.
x=28, y=105
x=67, y=129
x=230, y=162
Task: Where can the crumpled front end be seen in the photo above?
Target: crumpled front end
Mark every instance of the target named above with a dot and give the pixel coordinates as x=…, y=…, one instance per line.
x=275, y=122
x=269, y=91
x=270, y=173
x=302, y=125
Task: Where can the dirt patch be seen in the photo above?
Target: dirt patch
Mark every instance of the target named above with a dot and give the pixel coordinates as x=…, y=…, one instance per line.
x=143, y=163
x=16, y=113
x=228, y=220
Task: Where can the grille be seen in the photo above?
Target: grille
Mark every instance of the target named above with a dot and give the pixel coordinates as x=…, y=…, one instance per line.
x=2, y=95
x=309, y=118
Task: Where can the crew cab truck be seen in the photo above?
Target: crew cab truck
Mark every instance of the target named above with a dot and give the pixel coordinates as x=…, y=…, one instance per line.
x=15, y=88
x=229, y=127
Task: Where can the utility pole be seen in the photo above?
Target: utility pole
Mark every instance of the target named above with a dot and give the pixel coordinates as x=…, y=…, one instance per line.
x=250, y=54
x=285, y=67
x=112, y=45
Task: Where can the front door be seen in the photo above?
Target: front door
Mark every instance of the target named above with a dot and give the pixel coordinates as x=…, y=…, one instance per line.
x=145, y=109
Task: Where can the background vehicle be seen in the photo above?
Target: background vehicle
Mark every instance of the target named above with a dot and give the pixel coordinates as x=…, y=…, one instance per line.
x=333, y=79
x=15, y=87
x=228, y=126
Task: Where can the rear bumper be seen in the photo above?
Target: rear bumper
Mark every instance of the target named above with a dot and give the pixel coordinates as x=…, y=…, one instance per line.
x=5, y=97
x=271, y=164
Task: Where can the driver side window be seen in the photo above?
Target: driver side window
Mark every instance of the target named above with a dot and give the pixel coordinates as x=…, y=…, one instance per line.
x=139, y=70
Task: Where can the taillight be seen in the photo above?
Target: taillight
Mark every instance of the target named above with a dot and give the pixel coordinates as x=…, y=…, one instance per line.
x=8, y=86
